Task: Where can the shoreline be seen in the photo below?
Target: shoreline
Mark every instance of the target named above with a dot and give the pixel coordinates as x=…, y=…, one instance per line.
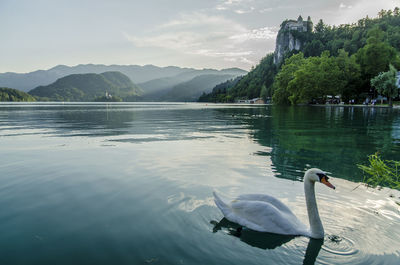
x=355, y=105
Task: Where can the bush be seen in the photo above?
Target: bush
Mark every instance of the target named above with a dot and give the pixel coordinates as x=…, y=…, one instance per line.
x=383, y=173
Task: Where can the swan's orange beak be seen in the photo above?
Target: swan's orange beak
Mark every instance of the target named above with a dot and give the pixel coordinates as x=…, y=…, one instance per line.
x=327, y=183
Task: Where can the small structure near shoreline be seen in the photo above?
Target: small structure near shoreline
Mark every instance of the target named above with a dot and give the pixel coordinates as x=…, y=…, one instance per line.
x=398, y=79
x=251, y=101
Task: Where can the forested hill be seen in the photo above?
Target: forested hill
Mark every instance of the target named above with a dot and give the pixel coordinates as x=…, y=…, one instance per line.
x=192, y=89
x=332, y=60
x=88, y=87
x=9, y=94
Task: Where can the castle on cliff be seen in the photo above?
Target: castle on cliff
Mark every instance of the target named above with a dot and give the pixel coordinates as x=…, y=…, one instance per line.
x=286, y=40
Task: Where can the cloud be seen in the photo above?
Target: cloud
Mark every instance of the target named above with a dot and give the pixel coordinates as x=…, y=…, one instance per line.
x=244, y=11
x=359, y=9
x=243, y=60
x=214, y=53
x=345, y=6
x=205, y=35
x=256, y=34
x=266, y=10
x=233, y=2
x=237, y=6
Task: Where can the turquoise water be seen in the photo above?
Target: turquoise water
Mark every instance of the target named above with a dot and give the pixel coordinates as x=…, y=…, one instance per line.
x=132, y=183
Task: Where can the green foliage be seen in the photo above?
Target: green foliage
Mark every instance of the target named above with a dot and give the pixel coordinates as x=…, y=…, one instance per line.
x=384, y=173
x=305, y=80
x=351, y=74
x=87, y=87
x=385, y=83
x=283, y=78
x=249, y=86
x=264, y=92
x=220, y=92
x=376, y=56
x=9, y=94
x=316, y=78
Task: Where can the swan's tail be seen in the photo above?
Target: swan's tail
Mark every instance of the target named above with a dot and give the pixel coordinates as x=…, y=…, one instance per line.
x=221, y=204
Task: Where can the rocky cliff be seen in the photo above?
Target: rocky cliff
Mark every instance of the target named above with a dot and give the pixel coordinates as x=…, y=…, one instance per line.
x=288, y=38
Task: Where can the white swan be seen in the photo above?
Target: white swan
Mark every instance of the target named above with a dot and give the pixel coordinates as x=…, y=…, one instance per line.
x=265, y=213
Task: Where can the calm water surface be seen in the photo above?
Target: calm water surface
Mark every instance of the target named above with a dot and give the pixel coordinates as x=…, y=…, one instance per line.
x=132, y=183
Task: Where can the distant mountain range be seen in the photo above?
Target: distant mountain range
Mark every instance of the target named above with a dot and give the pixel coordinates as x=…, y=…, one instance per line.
x=88, y=87
x=138, y=74
x=190, y=84
x=67, y=83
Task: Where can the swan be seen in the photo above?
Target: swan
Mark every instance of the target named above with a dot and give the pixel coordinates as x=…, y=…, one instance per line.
x=265, y=213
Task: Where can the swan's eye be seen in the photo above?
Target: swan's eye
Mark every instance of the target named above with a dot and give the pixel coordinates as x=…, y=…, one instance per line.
x=321, y=176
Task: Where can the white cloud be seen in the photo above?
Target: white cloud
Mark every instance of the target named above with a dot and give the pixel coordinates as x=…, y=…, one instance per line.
x=266, y=10
x=233, y=2
x=214, y=53
x=221, y=7
x=345, y=6
x=256, y=34
x=360, y=9
x=240, y=60
x=244, y=11
x=205, y=35
x=237, y=6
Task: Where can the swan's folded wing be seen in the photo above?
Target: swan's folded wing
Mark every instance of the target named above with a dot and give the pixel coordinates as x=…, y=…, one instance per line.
x=265, y=217
x=265, y=198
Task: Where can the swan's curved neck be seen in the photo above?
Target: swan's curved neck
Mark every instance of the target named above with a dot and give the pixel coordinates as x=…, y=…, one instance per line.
x=317, y=230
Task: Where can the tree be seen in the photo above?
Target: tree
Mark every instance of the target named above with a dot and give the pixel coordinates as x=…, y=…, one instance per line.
x=315, y=79
x=376, y=56
x=320, y=27
x=264, y=92
x=385, y=84
x=291, y=65
x=351, y=74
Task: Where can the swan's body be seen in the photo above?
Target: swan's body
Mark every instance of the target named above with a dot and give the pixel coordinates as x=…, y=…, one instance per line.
x=265, y=213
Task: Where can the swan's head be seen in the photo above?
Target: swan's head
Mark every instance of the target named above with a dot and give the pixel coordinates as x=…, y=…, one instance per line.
x=317, y=175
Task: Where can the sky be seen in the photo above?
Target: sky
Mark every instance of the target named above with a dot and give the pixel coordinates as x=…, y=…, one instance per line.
x=40, y=34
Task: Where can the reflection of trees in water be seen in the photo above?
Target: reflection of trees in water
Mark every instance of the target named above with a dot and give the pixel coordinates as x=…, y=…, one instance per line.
x=334, y=139
x=265, y=240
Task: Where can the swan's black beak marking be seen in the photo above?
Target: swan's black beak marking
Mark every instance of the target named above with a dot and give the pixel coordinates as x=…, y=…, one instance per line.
x=324, y=179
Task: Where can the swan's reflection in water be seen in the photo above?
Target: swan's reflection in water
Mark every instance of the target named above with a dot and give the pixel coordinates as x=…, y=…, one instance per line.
x=313, y=248
x=265, y=240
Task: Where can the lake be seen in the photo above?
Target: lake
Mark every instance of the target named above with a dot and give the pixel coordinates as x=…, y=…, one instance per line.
x=132, y=183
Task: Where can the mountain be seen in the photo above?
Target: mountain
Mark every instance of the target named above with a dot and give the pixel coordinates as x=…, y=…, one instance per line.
x=192, y=89
x=170, y=75
x=155, y=86
x=9, y=94
x=218, y=93
x=88, y=87
x=138, y=74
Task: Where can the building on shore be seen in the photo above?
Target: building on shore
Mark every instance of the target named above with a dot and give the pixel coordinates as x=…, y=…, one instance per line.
x=251, y=101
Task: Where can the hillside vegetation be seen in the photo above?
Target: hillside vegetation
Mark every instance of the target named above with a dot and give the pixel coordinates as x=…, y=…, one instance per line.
x=9, y=94
x=192, y=89
x=334, y=60
x=88, y=87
